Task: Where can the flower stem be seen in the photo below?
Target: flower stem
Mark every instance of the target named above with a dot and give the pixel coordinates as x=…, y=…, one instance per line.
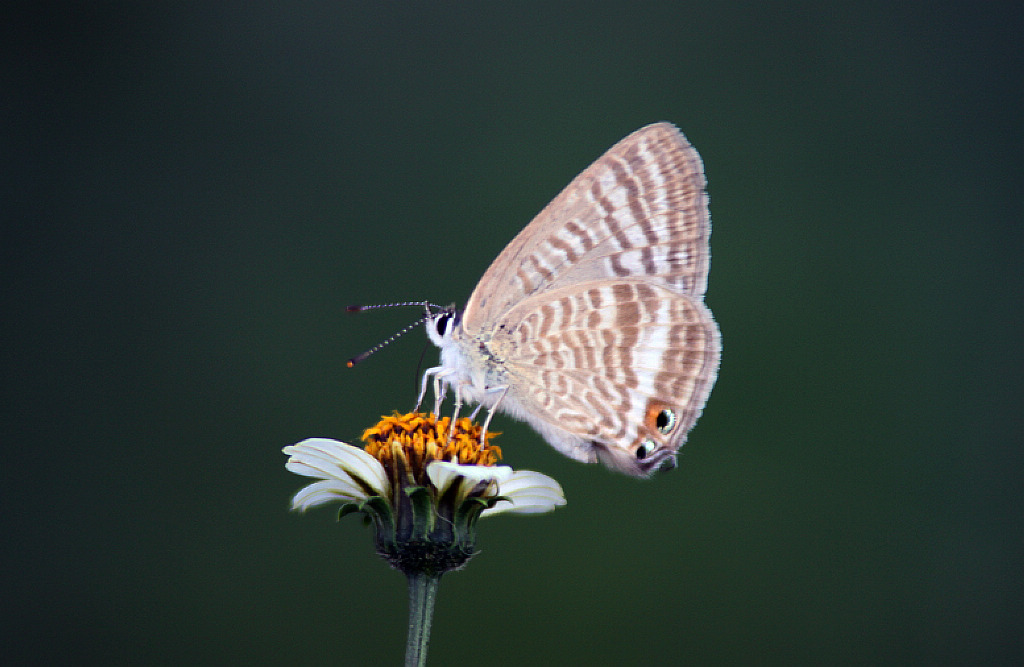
x=422, y=595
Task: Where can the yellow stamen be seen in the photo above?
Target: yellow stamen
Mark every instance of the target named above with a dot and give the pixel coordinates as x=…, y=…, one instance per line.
x=416, y=439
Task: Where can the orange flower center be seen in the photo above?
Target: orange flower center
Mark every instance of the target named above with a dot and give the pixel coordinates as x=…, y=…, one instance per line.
x=407, y=443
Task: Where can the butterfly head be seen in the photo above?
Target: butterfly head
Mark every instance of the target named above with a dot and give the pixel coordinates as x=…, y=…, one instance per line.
x=441, y=325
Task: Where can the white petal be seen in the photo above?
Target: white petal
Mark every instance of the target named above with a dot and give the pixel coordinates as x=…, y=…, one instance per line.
x=506, y=507
x=444, y=473
x=352, y=459
x=480, y=473
x=523, y=480
x=528, y=492
x=326, y=491
x=312, y=463
x=330, y=459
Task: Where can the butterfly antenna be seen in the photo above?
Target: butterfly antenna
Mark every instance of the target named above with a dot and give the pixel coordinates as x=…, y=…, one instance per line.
x=358, y=309
x=397, y=304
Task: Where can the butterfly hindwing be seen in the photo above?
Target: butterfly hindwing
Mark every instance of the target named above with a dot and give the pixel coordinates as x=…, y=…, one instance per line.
x=591, y=362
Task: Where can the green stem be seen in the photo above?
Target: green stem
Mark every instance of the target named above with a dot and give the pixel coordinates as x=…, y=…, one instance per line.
x=422, y=595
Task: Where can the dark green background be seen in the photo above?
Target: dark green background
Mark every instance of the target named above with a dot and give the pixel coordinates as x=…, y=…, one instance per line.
x=193, y=192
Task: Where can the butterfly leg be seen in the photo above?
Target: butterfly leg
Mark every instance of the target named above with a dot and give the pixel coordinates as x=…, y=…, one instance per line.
x=490, y=413
x=437, y=373
x=455, y=414
x=441, y=390
x=427, y=374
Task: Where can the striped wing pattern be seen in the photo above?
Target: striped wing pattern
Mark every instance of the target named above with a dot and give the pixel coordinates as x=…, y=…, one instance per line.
x=641, y=209
x=598, y=364
x=593, y=316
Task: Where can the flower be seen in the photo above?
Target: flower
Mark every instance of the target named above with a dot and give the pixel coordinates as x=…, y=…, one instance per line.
x=423, y=487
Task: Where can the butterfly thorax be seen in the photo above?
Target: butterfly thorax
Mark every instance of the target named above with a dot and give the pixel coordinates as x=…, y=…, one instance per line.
x=468, y=365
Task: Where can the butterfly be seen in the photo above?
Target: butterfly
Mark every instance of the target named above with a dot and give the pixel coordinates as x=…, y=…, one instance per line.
x=591, y=324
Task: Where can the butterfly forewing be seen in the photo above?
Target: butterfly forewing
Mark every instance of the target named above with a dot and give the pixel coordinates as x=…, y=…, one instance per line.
x=640, y=209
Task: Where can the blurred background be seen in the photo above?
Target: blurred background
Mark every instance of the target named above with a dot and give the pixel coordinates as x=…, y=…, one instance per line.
x=192, y=192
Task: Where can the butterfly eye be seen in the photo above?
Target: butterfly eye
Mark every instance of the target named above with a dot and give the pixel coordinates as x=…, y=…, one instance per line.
x=665, y=421
x=644, y=449
x=443, y=320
